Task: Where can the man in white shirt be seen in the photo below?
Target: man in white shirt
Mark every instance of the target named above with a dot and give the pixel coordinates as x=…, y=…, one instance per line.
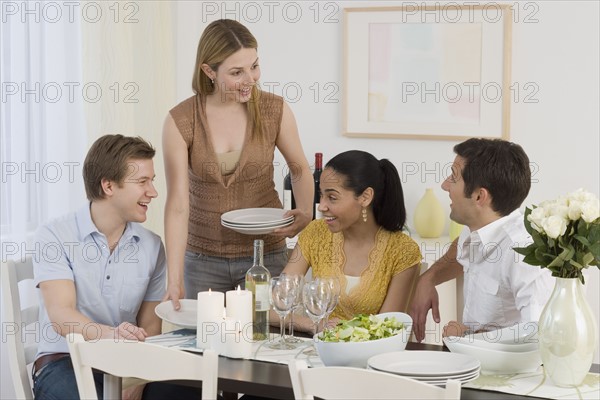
x=489, y=181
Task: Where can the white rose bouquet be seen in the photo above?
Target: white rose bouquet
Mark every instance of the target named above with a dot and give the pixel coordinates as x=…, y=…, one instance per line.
x=566, y=234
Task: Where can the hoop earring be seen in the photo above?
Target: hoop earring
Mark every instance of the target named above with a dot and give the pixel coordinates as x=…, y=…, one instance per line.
x=364, y=214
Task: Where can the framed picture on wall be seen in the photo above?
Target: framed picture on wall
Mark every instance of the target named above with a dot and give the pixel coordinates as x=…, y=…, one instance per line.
x=427, y=72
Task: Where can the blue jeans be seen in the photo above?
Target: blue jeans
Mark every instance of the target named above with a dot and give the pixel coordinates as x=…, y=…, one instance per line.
x=56, y=381
x=204, y=272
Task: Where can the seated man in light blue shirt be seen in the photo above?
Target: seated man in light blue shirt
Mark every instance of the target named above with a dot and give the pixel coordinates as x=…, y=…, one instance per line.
x=100, y=273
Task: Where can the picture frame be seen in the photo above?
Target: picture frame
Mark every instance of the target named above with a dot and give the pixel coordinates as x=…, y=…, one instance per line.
x=438, y=72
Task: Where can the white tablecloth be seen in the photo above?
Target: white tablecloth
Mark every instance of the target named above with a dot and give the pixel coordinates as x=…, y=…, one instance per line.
x=536, y=384
x=185, y=339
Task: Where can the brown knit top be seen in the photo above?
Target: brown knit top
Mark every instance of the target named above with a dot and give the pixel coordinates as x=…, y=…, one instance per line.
x=212, y=194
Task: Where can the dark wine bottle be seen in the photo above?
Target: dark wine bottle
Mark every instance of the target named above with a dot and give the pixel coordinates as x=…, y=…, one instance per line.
x=317, y=179
x=289, y=202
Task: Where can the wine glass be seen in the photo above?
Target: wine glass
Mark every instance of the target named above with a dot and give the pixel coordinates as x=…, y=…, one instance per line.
x=297, y=303
x=335, y=288
x=316, y=296
x=282, y=293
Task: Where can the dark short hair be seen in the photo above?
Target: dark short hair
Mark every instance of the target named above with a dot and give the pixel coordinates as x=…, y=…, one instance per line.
x=499, y=166
x=108, y=158
x=362, y=170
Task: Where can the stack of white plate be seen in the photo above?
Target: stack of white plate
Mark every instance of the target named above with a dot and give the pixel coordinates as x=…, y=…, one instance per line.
x=433, y=367
x=256, y=221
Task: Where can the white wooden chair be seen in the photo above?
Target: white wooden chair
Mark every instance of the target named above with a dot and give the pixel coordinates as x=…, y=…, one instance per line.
x=20, y=352
x=355, y=383
x=141, y=360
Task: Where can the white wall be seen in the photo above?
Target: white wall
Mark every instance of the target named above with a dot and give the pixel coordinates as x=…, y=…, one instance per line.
x=558, y=54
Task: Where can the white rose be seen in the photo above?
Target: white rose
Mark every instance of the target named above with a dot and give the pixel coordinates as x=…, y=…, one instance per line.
x=559, y=210
x=536, y=217
x=554, y=226
x=574, y=210
x=590, y=210
x=546, y=204
x=562, y=201
x=581, y=195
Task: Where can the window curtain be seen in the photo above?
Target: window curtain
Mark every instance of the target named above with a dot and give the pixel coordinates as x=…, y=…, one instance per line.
x=131, y=56
x=42, y=129
x=42, y=132
x=71, y=73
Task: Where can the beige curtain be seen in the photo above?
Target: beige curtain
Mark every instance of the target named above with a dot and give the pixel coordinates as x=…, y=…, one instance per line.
x=128, y=67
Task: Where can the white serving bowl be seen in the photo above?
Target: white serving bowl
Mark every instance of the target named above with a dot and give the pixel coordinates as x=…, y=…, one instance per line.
x=517, y=338
x=356, y=354
x=496, y=361
x=508, y=347
x=512, y=338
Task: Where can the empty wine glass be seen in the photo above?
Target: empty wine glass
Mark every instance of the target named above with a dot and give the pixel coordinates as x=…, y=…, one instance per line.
x=299, y=283
x=282, y=296
x=316, y=296
x=335, y=288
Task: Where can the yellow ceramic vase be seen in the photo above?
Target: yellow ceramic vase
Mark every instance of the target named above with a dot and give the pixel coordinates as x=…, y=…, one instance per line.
x=454, y=230
x=429, y=218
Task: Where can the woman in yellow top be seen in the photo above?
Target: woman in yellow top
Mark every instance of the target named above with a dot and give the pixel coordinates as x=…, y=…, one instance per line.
x=360, y=238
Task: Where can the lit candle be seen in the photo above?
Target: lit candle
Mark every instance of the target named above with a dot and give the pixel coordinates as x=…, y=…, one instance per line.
x=210, y=314
x=239, y=309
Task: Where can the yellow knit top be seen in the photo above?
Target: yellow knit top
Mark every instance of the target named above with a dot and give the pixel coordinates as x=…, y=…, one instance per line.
x=393, y=253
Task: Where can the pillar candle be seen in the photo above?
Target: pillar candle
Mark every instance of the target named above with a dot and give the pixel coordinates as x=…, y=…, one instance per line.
x=239, y=307
x=235, y=344
x=210, y=313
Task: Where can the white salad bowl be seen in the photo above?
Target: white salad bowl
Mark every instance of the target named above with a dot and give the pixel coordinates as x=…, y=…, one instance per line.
x=498, y=361
x=356, y=354
x=518, y=337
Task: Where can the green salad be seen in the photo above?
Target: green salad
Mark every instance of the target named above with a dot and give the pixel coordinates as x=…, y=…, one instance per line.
x=362, y=328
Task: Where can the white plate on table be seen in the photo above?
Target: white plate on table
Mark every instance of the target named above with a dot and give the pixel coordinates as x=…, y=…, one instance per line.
x=441, y=381
x=255, y=216
x=186, y=317
x=431, y=364
x=459, y=377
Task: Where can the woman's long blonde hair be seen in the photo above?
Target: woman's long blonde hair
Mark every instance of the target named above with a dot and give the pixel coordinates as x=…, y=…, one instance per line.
x=220, y=39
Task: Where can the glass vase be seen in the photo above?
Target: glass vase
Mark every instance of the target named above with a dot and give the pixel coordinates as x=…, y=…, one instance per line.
x=568, y=334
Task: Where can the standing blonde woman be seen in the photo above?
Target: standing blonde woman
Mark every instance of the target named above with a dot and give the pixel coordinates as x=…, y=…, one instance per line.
x=219, y=147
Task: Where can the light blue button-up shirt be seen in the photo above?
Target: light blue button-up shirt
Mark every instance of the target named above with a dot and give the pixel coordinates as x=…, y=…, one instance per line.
x=110, y=287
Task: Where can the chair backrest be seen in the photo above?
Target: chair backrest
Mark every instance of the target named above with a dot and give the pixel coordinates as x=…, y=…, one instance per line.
x=18, y=321
x=146, y=361
x=357, y=383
